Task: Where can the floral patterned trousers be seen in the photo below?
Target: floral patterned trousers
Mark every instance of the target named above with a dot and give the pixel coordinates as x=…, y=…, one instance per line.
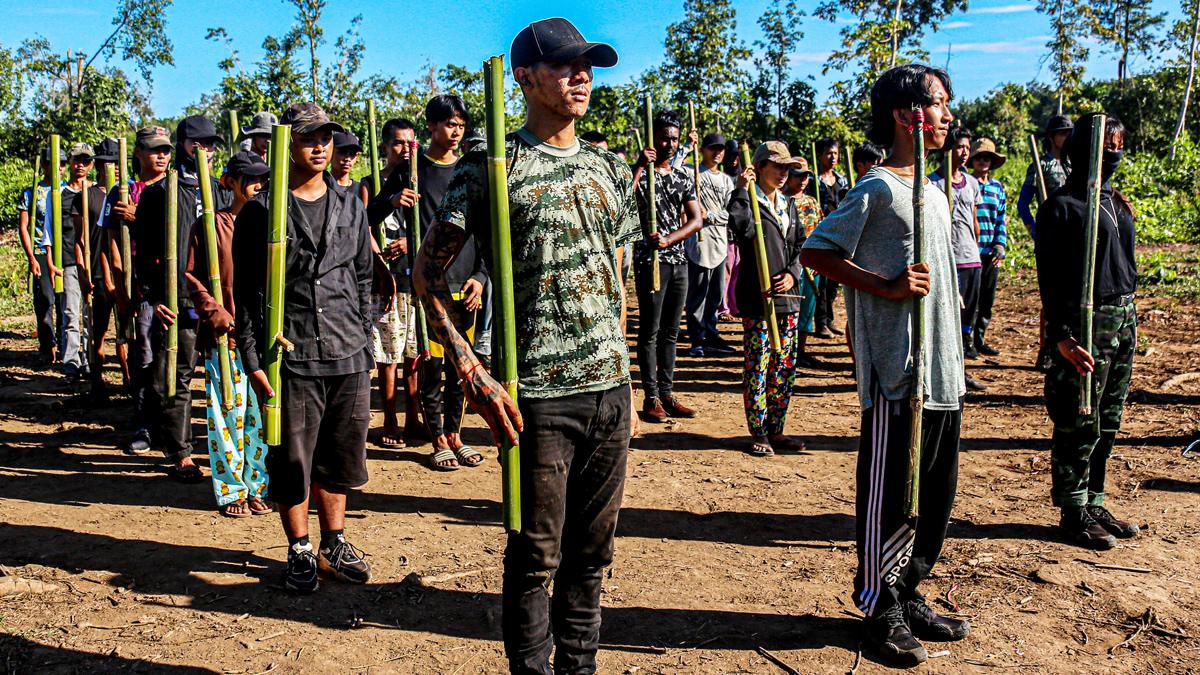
x=769, y=374
x=237, y=444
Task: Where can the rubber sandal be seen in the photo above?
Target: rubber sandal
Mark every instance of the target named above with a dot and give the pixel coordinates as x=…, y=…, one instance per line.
x=466, y=453
x=228, y=513
x=761, y=448
x=258, y=507
x=443, y=455
x=788, y=444
x=187, y=474
x=391, y=441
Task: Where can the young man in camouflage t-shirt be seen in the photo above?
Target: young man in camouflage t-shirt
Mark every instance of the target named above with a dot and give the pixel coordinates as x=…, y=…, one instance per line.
x=660, y=309
x=572, y=208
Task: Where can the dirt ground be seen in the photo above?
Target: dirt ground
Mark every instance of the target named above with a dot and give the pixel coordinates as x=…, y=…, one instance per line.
x=724, y=561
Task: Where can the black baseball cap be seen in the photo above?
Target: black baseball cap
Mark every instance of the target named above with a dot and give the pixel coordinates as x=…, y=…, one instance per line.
x=713, y=139
x=197, y=128
x=1058, y=123
x=246, y=163
x=106, y=150
x=307, y=118
x=557, y=41
x=345, y=139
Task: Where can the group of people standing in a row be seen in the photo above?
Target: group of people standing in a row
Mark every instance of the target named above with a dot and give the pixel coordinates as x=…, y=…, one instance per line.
x=358, y=282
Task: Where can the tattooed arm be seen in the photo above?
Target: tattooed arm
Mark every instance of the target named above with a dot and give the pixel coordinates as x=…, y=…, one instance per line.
x=441, y=246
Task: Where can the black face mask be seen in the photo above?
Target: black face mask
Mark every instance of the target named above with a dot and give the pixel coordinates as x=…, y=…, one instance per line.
x=1109, y=163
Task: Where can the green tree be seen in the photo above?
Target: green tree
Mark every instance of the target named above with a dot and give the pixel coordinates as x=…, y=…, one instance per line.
x=780, y=24
x=1128, y=27
x=703, y=59
x=308, y=28
x=1069, y=25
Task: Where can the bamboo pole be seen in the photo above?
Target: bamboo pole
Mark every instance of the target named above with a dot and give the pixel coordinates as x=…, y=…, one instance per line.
x=917, y=399
x=235, y=130
x=652, y=203
x=110, y=176
x=123, y=197
x=171, y=249
x=502, y=278
x=760, y=258
x=373, y=153
x=414, y=244
x=52, y=171
x=1039, y=178
x=214, y=274
x=849, y=166
x=696, y=164
x=816, y=168
x=637, y=137
x=948, y=170
x=277, y=217
x=1086, y=303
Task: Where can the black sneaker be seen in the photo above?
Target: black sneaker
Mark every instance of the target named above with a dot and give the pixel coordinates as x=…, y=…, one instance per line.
x=969, y=352
x=986, y=349
x=140, y=444
x=301, y=575
x=1080, y=528
x=890, y=635
x=929, y=625
x=809, y=361
x=1117, y=528
x=344, y=561
x=719, y=347
x=975, y=385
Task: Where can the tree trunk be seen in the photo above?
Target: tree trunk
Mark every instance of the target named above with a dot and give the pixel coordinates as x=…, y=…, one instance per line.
x=312, y=60
x=1191, y=76
x=896, y=33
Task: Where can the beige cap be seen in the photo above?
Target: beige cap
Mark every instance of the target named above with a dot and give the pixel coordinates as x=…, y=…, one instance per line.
x=775, y=151
x=986, y=146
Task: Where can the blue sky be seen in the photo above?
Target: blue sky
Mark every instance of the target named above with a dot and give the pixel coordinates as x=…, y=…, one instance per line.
x=996, y=41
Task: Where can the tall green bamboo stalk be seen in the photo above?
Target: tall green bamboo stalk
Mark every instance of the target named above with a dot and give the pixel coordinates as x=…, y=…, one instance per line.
x=917, y=398
x=948, y=171
x=123, y=197
x=696, y=164
x=56, y=223
x=849, y=165
x=110, y=176
x=171, y=251
x=235, y=130
x=416, y=236
x=816, y=168
x=274, y=341
x=502, y=277
x=1039, y=177
x=651, y=202
x=1086, y=303
x=214, y=273
x=373, y=154
x=760, y=258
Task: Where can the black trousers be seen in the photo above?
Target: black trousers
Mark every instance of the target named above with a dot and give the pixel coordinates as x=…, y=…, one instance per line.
x=895, y=553
x=968, y=288
x=573, y=454
x=175, y=414
x=659, y=315
x=989, y=276
x=827, y=292
x=45, y=307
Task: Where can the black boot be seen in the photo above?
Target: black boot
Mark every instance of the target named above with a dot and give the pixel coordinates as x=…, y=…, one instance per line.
x=982, y=346
x=1080, y=528
x=929, y=625
x=1118, y=528
x=889, y=634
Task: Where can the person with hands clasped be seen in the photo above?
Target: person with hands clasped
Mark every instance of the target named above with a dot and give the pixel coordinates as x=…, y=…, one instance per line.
x=769, y=375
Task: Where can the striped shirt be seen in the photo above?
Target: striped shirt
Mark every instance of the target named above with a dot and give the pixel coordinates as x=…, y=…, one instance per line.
x=990, y=211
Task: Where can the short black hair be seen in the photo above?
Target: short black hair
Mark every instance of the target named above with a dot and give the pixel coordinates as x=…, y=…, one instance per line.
x=957, y=134
x=867, y=153
x=445, y=106
x=667, y=119
x=824, y=144
x=594, y=137
x=899, y=88
x=396, y=124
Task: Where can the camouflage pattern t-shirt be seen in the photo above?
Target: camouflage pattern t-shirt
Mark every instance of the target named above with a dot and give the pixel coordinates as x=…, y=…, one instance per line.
x=570, y=209
x=671, y=191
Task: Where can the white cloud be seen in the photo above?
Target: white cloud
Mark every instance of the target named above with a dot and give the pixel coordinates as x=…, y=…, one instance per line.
x=955, y=24
x=1033, y=44
x=1005, y=9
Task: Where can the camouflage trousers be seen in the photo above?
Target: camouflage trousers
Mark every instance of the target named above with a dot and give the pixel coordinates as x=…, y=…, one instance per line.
x=1082, y=443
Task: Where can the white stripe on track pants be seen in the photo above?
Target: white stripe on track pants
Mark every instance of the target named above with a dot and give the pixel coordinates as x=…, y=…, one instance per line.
x=895, y=552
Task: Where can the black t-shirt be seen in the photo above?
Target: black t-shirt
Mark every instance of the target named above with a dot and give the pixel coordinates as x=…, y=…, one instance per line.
x=433, y=182
x=313, y=215
x=68, y=226
x=96, y=196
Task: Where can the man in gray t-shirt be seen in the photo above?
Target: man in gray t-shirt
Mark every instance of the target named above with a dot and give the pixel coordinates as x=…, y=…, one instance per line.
x=867, y=245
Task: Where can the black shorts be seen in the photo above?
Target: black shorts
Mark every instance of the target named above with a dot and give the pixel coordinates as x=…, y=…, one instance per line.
x=325, y=421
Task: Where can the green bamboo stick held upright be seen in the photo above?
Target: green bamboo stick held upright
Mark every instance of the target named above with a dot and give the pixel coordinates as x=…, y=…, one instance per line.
x=214, y=274
x=110, y=176
x=373, y=152
x=234, y=131
x=1039, y=177
x=56, y=209
x=274, y=341
x=123, y=197
x=652, y=208
x=849, y=165
x=760, y=257
x=696, y=164
x=171, y=237
x=816, y=169
x=948, y=170
x=1092, y=224
x=414, y=244
x=637, y=138
x=917, y=399
x=502, y=277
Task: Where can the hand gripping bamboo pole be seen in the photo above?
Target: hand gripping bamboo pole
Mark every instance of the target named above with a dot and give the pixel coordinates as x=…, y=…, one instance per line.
x=171, y=249
x=760, y=258
x=214, y=274
x=414, y=244
x=274, y=342
x=1039, y=178
x=651, y=201
x=1086, y=303
x=696, y=164
x=917, y=398
x=52, y=171
x=502, y=277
